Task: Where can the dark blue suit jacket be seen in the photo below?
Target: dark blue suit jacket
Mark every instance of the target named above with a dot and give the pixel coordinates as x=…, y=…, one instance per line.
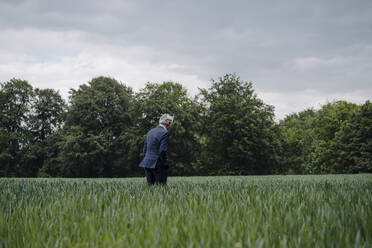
x=155, y=148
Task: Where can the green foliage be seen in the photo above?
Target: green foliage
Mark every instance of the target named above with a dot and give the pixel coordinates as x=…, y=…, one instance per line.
x=100, y=107
x=225, y=130
x=330, y=118
x=254, y=211
x=238, y=128
x=327, y=123
x=9, y=153
x=15, y=99
x=334, y=139
x=169, y=97
x=297, y=137
x=48, y=110
x=27, y=118
x=96, y=119
x=52, y=165
x=352, y=146
x=15, y=137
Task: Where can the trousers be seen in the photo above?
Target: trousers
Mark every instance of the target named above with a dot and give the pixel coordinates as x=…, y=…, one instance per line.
x=157, y=175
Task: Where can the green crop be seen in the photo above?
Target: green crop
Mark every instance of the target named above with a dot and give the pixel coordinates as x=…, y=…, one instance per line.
x=251, y=211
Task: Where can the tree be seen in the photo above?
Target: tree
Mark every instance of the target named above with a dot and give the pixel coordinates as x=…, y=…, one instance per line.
x=46, y=119
x=48, y=110
x=15, y=104
x=297, y=136
x=96, y=118
x=352, y=147
x=327, y=123
x=311, y=140
x=149, y=104
x=238, y=129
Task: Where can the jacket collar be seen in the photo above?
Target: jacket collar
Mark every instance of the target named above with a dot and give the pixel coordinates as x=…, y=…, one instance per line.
x=162, y=126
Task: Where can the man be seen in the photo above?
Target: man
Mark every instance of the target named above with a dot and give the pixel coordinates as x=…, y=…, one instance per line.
x=155, y=162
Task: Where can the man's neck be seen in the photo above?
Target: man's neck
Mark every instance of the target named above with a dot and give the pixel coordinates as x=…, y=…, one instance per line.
x=164, y=127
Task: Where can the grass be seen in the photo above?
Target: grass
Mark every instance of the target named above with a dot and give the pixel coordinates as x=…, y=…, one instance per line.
x=252, y=211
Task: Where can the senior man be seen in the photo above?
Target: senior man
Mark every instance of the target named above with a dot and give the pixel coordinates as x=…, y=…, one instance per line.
x=156, y=162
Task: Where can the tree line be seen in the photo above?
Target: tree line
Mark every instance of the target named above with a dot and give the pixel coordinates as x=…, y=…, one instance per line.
x=224, y=130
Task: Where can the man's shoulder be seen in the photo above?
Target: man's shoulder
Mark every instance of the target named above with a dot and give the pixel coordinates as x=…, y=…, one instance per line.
x=158, y=130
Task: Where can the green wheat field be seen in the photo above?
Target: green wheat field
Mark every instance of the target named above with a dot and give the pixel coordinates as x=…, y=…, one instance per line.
x=244, y=211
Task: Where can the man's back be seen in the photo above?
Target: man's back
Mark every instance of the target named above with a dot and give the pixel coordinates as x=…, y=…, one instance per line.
x=156, y=145
x=155, y=162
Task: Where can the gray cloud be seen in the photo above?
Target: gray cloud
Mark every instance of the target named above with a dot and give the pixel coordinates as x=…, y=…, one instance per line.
x=282, y=46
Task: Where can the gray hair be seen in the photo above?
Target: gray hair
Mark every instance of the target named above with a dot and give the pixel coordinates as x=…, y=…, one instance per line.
x=166, y=119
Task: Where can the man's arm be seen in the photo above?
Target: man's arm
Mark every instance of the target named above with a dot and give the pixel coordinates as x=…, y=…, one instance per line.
x=164, y=143
x=163, y=149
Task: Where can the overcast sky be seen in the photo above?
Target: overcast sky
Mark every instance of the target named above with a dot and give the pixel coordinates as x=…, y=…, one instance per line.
x=297, y=54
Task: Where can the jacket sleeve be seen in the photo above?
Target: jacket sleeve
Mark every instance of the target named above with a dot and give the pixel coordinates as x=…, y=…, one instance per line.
x=163, y=149
x=164, y=143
